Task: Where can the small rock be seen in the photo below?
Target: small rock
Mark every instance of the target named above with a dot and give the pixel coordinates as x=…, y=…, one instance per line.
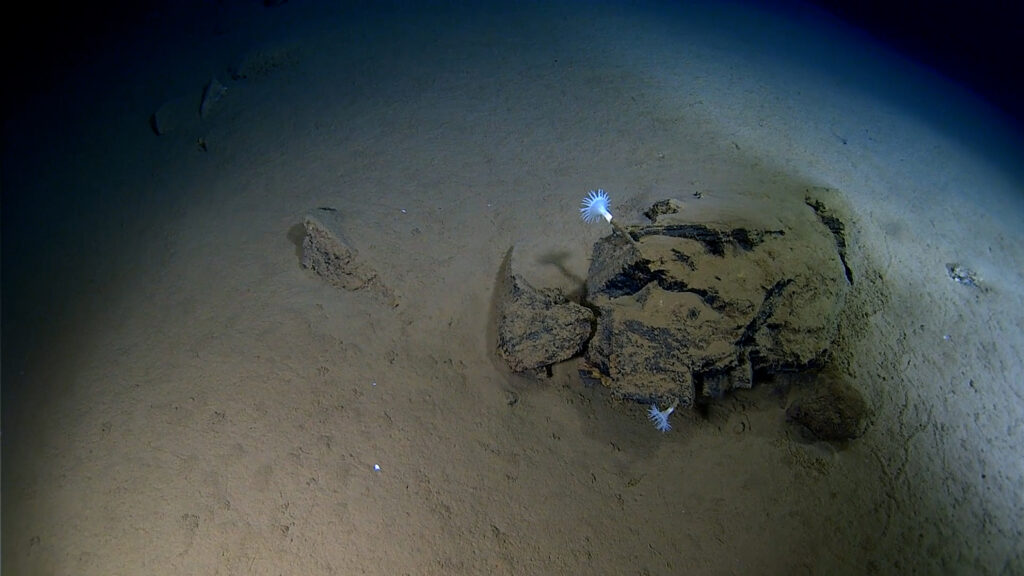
x=212, y=95
x=832, y=410
x=963, y=275
x=325, y=252
x=172, y=115
x=669, y=206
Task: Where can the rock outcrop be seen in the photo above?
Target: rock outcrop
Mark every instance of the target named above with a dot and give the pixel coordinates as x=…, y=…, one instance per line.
x=696, y=308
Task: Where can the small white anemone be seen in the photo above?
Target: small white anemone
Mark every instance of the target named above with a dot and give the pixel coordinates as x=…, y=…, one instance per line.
x=660, y=417
x=595, y=205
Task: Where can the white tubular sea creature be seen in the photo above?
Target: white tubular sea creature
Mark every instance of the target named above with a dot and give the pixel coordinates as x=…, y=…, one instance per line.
x=595, y=205
x=660, y=417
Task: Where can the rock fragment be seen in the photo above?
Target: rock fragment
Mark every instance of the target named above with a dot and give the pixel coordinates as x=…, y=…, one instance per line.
x=537, y=327
x=212, y=95
x=832, y=410
x=329, y=256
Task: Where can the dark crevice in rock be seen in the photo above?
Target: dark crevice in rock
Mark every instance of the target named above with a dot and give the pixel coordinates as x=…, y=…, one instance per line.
x=631, y=280
x=638, y=275
x=681, y=256
x=765, y=367
x=714, y=241
x=700, y=391
x=764, y=313
x=750, y=239
x=836, y=227
x=709, y=297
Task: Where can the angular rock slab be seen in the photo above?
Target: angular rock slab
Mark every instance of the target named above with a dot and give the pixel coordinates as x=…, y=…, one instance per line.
x=537, y=327
x=696, y=307
x=326, y=253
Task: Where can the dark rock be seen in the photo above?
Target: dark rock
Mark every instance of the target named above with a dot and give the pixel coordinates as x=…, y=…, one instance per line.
x=832, y=410
x=537, y=327
x=669, y=206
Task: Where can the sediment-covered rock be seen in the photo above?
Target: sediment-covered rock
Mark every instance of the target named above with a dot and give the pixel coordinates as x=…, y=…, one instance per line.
x=697, y=306
x=537, y=327
x=326, y=252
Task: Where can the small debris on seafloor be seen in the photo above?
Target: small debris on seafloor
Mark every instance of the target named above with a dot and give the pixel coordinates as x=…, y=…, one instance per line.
x=963, y=275
x=212, y=95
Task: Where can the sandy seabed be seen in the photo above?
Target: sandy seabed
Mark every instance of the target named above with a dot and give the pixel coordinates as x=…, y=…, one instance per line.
x=182, y=397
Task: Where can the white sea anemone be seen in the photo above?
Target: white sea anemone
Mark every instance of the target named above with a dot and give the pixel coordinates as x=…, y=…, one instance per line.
x=595, y=205
x=660, y=417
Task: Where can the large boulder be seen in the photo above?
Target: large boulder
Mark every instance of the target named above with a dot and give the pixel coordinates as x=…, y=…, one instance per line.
x=698, y=304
